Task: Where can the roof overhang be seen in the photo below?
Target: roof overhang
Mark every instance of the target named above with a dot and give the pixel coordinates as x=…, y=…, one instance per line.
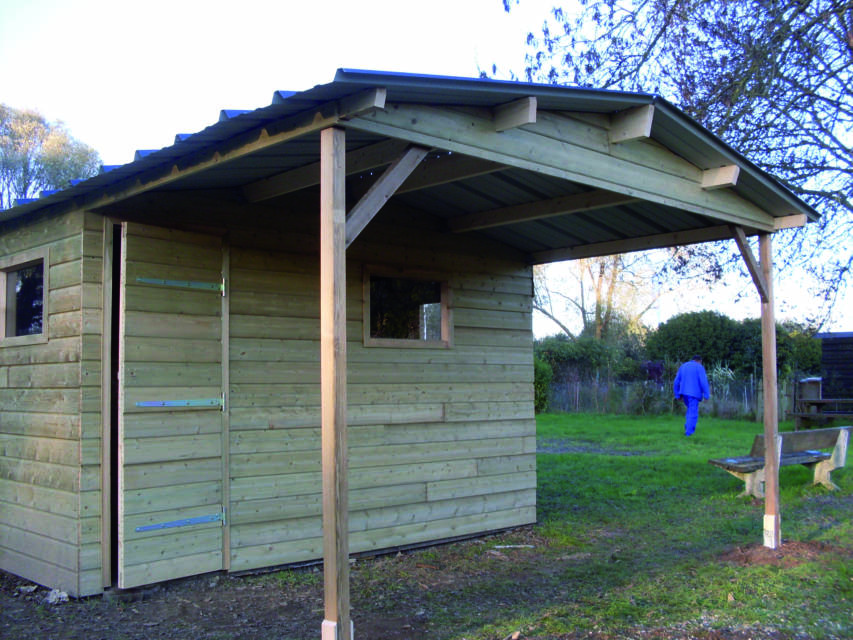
x=555, y=172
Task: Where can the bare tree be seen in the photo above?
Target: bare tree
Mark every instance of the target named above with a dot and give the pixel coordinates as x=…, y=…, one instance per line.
x=772, y=78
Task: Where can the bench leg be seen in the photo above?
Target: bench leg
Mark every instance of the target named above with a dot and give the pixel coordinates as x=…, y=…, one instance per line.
x=754, y=483
x=822, y=470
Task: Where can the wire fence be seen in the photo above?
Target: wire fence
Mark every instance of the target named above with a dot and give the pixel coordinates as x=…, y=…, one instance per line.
x=730, y=397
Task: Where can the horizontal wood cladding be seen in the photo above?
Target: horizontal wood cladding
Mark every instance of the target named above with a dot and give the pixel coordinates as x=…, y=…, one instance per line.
x=41, y=473
x=441, y=441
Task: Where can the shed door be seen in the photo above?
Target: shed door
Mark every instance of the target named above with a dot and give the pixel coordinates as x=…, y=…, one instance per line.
x=170, y=425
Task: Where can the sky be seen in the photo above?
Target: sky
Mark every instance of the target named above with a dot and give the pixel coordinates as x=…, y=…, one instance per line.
x=125, y=75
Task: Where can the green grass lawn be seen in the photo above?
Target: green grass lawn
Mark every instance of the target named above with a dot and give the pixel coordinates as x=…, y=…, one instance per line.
x=633, y=528
x=656, y=519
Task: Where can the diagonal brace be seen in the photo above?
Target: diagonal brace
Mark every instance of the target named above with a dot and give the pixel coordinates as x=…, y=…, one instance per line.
x=751, y=263
x=382, y=190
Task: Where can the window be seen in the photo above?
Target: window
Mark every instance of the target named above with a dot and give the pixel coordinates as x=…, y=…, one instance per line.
x=406, y=312
x=23, y=289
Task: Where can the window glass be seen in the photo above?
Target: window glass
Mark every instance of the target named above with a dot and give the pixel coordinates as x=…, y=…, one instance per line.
x=405, y=309
x=25, y=300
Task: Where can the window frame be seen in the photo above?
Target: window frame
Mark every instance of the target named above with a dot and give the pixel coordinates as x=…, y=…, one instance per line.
x=446, y=341
x=16, y=262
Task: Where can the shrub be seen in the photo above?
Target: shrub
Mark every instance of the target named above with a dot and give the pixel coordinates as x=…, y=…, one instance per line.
x=542, y=376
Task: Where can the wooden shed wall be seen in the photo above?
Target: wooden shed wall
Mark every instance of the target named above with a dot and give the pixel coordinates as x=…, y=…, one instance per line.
x=441, y=441
x=837, y=365
x=46, y=496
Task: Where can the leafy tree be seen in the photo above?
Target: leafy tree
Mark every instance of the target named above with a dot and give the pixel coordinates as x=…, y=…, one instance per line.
x=737, y=345
x=773, y=78
x=37, y=155
x=708, y=334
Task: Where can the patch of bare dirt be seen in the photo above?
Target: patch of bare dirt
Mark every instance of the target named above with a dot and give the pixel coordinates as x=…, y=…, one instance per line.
x=789, y=554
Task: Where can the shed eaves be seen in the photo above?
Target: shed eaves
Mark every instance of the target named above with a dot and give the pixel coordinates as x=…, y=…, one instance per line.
x=671, y=128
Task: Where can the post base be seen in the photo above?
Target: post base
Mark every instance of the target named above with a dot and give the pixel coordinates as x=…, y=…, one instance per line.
x=772, y=535
x=330, y=630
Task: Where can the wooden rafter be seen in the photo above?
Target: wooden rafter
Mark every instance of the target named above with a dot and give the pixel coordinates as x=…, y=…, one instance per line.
x=751, y=263
x=515, y=114
x=381, y=191
x=447, y=168
x=564, y=205
x=642, y=243
x=632, y=124
x=720, y=177
x=370, y=157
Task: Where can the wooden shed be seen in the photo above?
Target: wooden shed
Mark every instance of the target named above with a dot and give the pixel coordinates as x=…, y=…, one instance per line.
x=161, y=386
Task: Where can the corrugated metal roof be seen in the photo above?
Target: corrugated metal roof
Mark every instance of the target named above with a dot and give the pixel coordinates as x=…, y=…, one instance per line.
x=671, y=128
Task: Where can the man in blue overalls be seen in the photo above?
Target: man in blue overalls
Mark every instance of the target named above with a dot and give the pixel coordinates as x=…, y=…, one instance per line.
x=691, y=386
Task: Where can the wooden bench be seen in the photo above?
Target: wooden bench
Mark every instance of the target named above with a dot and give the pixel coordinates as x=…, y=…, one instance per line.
x=797, y=447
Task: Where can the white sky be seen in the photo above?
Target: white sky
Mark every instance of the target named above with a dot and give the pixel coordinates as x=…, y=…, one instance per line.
x=130, y=75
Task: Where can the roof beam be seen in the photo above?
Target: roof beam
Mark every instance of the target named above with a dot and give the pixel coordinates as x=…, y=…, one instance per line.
x=564, y=205
x=381, y=191
x=562, y=147
x=628, y=245
x=720, y=177
x=632, y=124
x=790, y=222
x=515, y=114
x=363, y=159
x=446, y=168
x=751, y=263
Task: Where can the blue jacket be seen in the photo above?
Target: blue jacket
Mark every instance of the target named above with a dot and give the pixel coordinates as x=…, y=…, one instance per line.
x=691, y=381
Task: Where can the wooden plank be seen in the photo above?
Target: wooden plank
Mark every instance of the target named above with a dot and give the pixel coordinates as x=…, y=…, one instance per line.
x=643, y=243
x=515, y=114
x=632, y=124
x=485, y=485
x=171, y=448
x=43, y=474
x=39, y=571
x=165, y=474
x=35, y=424
x=751, y=263
x=381, y=191
x=333, y=380
x=185, y=565
x=225, y=423
x=61, y=553
x=61, y=503
x=34, y=522
x=363, y=159
x=278, y=485
x=538, y=210
x=44, y=376
x=54, y=351
x=720, y=177
x=50, y=450
x=179, y=496
x=772, y=520
x=790, y=222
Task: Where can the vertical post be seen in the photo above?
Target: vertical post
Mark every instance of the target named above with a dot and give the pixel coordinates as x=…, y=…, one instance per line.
x=772, y=520
x=333, y=364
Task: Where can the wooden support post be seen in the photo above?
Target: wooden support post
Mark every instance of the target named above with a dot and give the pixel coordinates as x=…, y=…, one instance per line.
x=772, y=443
x=333, y=358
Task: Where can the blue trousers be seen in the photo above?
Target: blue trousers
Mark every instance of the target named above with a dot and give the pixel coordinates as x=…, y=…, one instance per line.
x=692, y=415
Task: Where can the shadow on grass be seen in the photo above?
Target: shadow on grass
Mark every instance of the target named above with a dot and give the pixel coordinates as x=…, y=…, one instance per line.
x=628, y=542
